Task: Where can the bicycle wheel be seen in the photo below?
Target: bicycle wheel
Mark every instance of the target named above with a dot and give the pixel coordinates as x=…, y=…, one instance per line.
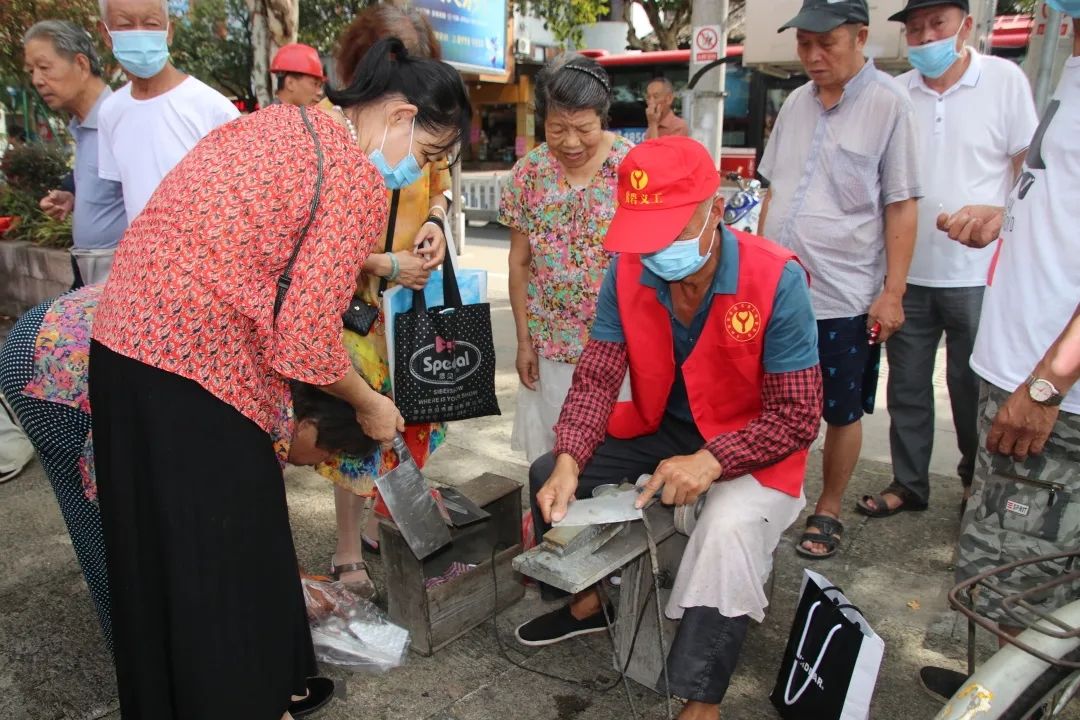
x=1048, y=695
x=1016, y=685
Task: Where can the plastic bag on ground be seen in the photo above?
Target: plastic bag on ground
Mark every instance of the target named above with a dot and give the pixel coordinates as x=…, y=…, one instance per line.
x=350, y=631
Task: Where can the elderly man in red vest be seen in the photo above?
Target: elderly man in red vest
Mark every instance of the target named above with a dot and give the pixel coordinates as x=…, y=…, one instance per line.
x=718, y=333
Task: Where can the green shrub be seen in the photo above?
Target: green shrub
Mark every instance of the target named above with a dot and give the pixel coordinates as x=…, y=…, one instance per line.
x=30, y=171
x=35, y=168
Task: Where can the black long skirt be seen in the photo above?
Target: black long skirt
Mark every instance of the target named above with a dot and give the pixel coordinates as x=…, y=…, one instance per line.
x=208, y=614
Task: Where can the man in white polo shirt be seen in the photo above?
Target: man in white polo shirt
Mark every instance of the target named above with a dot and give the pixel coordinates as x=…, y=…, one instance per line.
x=975, y=116
x=148, y=125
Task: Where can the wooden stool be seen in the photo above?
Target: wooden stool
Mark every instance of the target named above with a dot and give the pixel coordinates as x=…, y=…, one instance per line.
x=647, y=661
x=629, y=550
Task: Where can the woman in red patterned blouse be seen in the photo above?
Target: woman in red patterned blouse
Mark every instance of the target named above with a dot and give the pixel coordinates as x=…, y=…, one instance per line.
x=187, y=354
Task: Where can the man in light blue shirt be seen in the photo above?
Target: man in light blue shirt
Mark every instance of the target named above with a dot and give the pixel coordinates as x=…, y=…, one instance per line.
x=65, y=70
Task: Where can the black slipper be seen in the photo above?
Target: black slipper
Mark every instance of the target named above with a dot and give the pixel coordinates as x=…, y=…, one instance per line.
x=831, y=530
x=320, y=692
x=940, y=683
x=881, y=509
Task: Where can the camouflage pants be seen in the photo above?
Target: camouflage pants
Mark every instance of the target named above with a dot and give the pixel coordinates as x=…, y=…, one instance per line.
x=1020, y=510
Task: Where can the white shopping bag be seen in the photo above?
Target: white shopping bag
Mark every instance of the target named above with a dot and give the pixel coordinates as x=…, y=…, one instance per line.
x=833, y=656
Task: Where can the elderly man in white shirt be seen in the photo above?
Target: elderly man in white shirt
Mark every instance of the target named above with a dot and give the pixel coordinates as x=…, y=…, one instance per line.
x=975, y=116
x=148, y=125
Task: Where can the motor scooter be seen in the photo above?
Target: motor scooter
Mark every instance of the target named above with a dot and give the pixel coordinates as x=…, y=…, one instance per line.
x=743, y=210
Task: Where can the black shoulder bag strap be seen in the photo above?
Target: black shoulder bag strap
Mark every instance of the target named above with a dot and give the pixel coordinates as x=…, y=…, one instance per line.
x=391, y=222
x=285, y=279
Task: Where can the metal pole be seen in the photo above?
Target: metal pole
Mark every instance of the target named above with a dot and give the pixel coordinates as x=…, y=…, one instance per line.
x=457, y=210
x=707, y=106
x=1047, y=58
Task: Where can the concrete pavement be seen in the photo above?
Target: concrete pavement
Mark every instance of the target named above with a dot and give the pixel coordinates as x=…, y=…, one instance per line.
x=53, y=666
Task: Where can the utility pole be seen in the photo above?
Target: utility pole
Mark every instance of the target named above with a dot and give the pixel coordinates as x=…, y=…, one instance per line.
x=1047, y=58
x=708, y=44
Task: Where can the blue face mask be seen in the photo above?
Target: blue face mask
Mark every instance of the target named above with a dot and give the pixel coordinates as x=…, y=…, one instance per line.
x=143, y=53
x=1069, y=7
x=680, y=259
x=406, y=172
x=935, y=58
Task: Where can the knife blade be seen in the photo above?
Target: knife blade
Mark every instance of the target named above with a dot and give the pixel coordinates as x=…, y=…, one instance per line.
x=611, y=508
x=411, y=505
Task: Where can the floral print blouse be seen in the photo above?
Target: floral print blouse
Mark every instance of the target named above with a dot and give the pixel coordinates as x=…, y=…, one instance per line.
x=62, y=350
x=192, y=288
x=566, y=228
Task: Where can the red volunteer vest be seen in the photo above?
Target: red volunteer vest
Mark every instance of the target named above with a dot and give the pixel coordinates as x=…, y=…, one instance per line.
x=723, y=373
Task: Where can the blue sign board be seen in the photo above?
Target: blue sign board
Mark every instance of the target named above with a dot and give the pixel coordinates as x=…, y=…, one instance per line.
x=472, y=32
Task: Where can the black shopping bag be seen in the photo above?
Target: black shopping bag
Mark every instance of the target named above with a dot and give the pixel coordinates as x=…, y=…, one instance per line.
x=831, y=662
x=444, y=358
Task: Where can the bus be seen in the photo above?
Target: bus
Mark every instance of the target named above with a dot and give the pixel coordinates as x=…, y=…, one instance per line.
x=752, y=101
x=632, y=72
x=753, y=97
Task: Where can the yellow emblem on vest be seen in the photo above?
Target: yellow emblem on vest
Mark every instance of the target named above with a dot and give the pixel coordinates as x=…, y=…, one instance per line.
x=639, y=179
x=743, y=321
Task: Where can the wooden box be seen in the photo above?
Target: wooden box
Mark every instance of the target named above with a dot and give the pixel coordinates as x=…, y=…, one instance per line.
x=439, y=615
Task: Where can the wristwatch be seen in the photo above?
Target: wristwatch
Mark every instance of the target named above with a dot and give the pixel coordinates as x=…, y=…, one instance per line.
x=1043, y=391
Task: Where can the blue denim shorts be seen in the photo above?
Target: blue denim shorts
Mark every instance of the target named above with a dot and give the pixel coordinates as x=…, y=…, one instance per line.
x=849, y=369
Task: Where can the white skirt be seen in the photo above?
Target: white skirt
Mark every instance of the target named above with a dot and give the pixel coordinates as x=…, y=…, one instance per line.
x=729, y=556
x=538, y=410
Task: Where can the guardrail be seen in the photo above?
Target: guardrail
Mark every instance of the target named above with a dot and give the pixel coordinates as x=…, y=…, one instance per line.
x=481, y=193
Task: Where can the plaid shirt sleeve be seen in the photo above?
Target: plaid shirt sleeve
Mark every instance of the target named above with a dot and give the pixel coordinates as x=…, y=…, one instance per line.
x=583, y=421
x=789, y=421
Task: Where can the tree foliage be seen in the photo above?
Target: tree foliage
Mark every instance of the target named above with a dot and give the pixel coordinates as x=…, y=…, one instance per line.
x=213, y=43
x=565, y=18
x=1015, y=7
x=16, y=16
x=322, y=21
x=671, y=21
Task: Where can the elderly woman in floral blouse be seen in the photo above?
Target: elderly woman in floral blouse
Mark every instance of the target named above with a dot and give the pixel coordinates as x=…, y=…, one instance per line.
x=558, y=206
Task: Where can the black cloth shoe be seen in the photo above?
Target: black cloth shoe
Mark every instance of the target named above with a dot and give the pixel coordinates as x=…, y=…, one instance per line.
x=940, y=683
x=320, y=692
x=559, y=625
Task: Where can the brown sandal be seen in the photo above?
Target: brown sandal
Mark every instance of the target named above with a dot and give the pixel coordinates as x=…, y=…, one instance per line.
x=880, y=508
x=363, y=589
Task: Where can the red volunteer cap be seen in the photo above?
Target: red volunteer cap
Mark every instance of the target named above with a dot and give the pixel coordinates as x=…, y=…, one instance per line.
x=661, y=183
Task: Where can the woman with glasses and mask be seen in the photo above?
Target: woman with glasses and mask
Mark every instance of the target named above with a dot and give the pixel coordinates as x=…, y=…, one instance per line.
x=229, y=285
x=416, y=246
